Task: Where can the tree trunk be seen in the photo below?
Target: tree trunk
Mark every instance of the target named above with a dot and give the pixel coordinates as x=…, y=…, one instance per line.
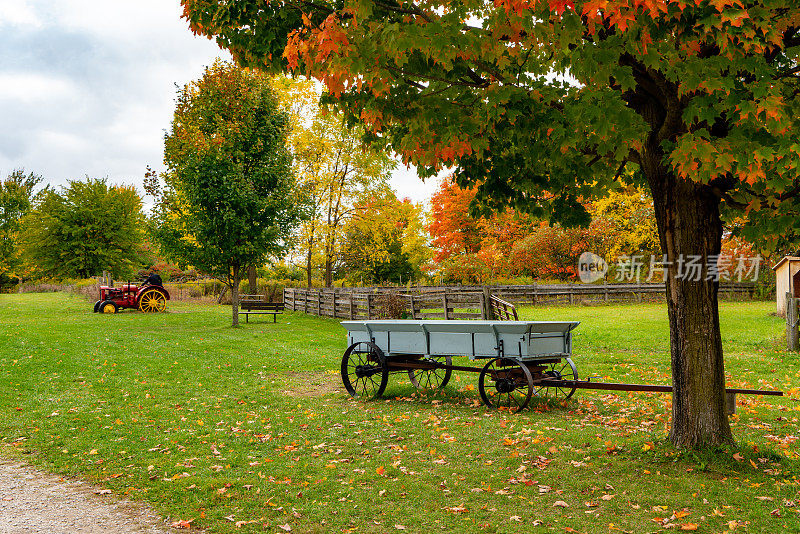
x=308, y=269
x=309, y=257
x=690, y=229
x=328, y=272
x=252, y=279
x=236, y=279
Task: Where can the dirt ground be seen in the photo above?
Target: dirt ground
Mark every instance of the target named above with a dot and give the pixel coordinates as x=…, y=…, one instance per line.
x=34, y=502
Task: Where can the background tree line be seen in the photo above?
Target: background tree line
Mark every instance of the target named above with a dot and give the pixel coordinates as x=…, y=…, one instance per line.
x=263, y=180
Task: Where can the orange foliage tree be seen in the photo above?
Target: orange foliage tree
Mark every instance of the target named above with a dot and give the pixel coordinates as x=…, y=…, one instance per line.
x=701, y=97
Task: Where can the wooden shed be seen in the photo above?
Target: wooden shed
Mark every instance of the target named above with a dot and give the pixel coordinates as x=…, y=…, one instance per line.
x=787, y=279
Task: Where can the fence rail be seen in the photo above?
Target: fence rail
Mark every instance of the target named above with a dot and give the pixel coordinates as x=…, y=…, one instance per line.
x=469, y=302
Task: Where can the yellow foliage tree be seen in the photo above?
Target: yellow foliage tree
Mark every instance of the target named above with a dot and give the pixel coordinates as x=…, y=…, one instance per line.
x=334, y=167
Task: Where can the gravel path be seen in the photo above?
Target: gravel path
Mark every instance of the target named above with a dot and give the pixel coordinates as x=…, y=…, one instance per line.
x=33, y=502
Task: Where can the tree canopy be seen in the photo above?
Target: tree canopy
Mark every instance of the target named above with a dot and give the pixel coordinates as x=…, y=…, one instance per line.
x=544, y=103
x=16, y=199
x=84, y=229
x=385, y=241
x=230, y=199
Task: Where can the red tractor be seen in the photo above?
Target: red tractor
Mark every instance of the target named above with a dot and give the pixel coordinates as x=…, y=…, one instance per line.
x=149, y=297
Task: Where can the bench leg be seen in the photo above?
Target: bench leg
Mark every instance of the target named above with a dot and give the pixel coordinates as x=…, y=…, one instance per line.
x=274, y=317
x=247, y=317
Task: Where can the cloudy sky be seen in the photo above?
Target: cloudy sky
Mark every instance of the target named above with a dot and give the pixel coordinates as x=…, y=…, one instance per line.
x=87, y=87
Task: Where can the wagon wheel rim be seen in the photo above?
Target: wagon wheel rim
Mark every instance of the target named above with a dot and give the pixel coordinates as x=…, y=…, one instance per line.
x=561, y=370
x=505, y=383
x=152, y=301
x=364, y=370
x=436, y=378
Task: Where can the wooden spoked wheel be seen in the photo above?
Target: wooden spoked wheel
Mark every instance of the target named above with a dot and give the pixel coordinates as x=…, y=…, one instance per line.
x=505, y=383
x=152, y=301
x=561, y=370
x=431, y=378
x=364, y=370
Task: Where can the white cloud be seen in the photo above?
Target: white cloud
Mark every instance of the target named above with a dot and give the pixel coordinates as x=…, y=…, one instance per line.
x=27, y=88
x=17, y=13
x=87, y=87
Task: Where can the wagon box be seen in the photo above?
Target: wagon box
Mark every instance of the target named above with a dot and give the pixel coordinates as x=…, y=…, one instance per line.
x=519, y=354
x=523, y=340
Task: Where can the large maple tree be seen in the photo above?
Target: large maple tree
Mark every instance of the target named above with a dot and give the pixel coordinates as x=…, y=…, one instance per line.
x=543, y=103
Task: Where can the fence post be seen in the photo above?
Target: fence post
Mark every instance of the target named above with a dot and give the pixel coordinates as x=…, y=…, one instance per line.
x=446, y=308
x=352, y=308
x=571, y=297
x=319, y=303
x=792, y=336
x=411, y=305
x=305, y=301
x=369, y=306
x=487, y=303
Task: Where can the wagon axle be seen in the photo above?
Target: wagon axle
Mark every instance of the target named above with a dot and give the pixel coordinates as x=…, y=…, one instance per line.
x=366, y=371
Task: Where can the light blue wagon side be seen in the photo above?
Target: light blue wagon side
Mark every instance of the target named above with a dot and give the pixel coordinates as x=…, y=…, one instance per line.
x=522, y=356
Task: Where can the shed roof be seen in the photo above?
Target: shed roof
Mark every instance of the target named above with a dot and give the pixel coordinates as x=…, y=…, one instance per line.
x=784, y=259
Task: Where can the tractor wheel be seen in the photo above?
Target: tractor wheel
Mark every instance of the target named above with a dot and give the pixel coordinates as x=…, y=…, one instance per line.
x=97, y=306
x=152, y=300
x=108, y=307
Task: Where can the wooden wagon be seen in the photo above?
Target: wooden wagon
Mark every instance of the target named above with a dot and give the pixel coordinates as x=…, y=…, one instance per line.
x=522, y=359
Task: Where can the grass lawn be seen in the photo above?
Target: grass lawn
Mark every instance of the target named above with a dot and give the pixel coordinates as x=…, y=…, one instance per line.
x=249, y=429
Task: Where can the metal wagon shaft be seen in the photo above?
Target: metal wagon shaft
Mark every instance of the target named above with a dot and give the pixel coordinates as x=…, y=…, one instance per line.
x=525, y=359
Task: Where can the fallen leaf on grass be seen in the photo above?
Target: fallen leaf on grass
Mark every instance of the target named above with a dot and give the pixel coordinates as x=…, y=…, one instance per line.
x=515, y=518
x=457, y=509
x=689, y=526
x=560, y=504
x=183, y=523
x=738, y=457
x=681, y=514
x=380, y=470
x=400, y=527
x=102, y=492
x=607, y=497
x=240, y=524
x=287, y=527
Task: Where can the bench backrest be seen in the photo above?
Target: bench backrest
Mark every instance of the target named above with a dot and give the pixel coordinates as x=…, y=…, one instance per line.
x=259, y=305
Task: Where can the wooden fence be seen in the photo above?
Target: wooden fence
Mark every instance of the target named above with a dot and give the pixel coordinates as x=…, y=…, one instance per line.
x=469, y=302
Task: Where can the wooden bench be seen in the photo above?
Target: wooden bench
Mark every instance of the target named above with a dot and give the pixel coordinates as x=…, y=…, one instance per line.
x=252, y=304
